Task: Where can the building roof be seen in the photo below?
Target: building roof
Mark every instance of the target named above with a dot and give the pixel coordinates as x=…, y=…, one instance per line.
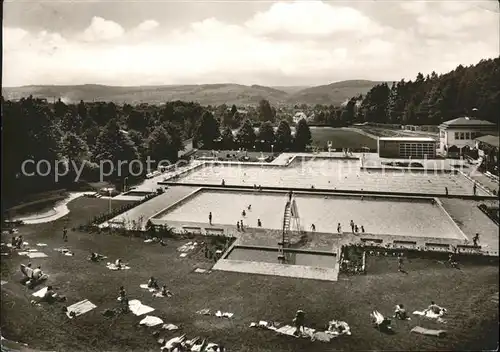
x=466, y=121
x=407, y=139
x=489, y=139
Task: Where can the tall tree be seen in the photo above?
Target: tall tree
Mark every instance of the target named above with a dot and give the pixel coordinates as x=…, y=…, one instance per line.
x=246, y=136
x=116, y=150
x=208, y=131
x=159, y=145
x=227, y=138
x=303, y=136
x=265, y=111
x=283, y=136
x=266, y=136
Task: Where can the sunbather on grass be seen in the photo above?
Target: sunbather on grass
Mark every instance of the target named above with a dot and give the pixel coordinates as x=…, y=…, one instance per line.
x=434, y=308
x=400, y=312
x=152, y=283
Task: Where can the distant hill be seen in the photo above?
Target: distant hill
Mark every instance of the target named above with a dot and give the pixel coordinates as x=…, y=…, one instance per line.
x=334, y=93
x=205, y=94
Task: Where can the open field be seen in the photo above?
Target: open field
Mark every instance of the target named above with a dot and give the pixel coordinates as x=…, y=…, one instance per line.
x=470, y=295
x=341, y=138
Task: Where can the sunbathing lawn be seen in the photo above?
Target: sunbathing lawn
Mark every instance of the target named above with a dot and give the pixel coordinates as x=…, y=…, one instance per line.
x=470, y=295
x=341, y=138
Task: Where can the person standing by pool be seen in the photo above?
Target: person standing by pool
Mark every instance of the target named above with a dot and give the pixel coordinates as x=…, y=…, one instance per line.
x=299, y=322
x=65, y=234
x=259, y=223
x=241, y=225
x=352, y=226
x=475, y=239
x=313, y=227
x=243, y=213
x=210, y=218
x=446, y=190
x=223, y=182
x=249, y=207
x=339, y=228
x=362, y=229
x=238, y=225
x=474, y=188
x=400, y=263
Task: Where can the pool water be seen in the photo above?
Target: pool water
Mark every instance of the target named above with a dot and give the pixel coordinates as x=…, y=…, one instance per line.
x=330, y=174
x=385, y=216
x=293, y=258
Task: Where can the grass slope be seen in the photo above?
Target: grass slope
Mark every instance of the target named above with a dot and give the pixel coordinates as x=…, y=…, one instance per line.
x=471, y=296
x=206, y=94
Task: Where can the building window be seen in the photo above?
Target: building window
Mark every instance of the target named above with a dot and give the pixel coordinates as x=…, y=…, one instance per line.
x=467, y=135
x=462, y=136
x=457, y=135
x=473, y=135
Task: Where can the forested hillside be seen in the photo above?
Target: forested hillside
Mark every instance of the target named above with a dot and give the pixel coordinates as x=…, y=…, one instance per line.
x=432, y=99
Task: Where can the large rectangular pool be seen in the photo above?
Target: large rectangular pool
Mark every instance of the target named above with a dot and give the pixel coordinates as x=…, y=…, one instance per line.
x=384, y=216
x=330, y=174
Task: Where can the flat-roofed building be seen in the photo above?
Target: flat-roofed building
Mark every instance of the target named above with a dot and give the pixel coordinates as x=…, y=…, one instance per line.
x=407, y=147
x=457, y=134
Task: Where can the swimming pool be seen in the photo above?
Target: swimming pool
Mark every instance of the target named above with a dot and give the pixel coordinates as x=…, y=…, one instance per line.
x=378, y=215
x=322, y=260
x=330, y=174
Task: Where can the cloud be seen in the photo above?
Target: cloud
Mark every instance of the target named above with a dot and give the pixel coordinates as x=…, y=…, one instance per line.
x=311, y=18
x=102, y=30
x=291, y=43
x=148, y=25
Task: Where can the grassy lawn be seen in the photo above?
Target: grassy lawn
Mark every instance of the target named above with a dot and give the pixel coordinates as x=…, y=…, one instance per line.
x=341, y=138
x=468, y=294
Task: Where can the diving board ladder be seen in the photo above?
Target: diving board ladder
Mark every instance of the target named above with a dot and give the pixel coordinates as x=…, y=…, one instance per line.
x=289, y=214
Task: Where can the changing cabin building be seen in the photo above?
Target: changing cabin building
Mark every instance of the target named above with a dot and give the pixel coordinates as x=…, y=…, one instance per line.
x=460, y=133
x=407, y=147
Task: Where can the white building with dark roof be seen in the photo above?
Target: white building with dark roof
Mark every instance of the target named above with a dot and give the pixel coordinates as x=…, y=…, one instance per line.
x=460, y=133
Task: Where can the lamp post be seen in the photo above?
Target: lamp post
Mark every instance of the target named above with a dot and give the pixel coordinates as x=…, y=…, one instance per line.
x=125, y=181
x=109, y=191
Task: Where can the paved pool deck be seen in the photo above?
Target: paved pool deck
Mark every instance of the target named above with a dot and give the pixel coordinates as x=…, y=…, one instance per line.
x=141, y=213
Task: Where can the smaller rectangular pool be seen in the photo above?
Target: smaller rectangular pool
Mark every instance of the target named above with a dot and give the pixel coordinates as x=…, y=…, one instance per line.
x=268, y=255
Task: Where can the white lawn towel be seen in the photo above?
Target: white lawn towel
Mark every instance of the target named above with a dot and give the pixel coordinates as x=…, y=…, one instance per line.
x=37, y=255
x=170, y=327
x=22, y=253
x=80, y=308
x=40, y=293
x=183, y=255
x=3, y=282
x=150, y=320
x=41, y=244
x=148, y=241
x=430, y=314
x=145, y=286
x=138, y=308
x=112, y=266
x=201, y=271
x=32, y=250
x=223, y=315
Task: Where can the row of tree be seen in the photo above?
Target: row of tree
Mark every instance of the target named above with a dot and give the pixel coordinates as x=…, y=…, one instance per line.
x=432, y=99
x=211, y=135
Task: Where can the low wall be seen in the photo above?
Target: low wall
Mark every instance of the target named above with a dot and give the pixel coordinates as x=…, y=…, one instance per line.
x=331, y=191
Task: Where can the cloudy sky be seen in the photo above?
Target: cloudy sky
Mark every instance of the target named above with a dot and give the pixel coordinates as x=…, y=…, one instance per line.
x=149, y=42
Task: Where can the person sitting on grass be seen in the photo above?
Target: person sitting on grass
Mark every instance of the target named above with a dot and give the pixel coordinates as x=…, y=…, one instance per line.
x=163, y=243
x=165, y=292
x=118, y=263
x=152, y=283
x=122, y=294
x=299, y=322
x=95, y=257
x=37, y=273
x=51, y=296
x=434, y=308
x=13, y=242
x=400, y=312
x=20, y=242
